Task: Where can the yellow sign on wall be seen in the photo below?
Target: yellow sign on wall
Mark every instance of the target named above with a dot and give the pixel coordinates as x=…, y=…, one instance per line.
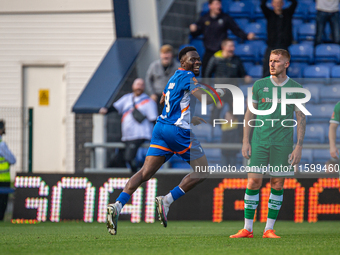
x=44, y=97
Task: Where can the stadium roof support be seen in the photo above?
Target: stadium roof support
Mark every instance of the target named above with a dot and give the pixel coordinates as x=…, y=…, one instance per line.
x=110, y=75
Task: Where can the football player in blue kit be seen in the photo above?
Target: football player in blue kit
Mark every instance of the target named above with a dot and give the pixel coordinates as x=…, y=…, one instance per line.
x=171, y=135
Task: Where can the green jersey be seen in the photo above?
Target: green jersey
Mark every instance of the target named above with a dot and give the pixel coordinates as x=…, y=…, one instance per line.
x=336, y=114
x=274, y=129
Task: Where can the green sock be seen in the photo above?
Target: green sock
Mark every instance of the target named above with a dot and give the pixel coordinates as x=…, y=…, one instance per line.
x=251, y=201
x=274, y=206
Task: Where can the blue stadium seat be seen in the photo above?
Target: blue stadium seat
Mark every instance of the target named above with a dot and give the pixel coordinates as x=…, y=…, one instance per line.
x=306, y=157
x=311, y=12
x=240, y=9
x=295, y=70
x=329, y=65
x=315, y=92
x=247, y=66
x=335, y=72
x=314, y=134
x=306, y=31
x=258, y=13
x=320, y=112
x=258, y=44
x=246, y=52
x=321, y=156
x=296, y=23
x=198, y=44
x=257, y=28
x=301, y=11
x=261, y=53
x=330, y=94
x=225, y=5
x=327, y=53
x=203, y=132
x=242, y=23
x=256, y=71
x=301, y=53
x=262, y=22
x=311, y=43
x=316, y=71
x=205, y=8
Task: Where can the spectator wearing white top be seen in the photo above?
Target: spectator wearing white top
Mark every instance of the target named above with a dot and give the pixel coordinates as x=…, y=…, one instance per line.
x=327, y=11
x=138, y=112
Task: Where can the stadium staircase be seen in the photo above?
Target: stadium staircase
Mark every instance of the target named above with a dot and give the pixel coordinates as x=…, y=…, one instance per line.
x=175, y=25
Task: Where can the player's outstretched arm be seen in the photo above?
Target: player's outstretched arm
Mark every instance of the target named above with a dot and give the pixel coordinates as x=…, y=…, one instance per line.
x=295, y=157
x=246, y=148
x=332, y=140
x=198, y=94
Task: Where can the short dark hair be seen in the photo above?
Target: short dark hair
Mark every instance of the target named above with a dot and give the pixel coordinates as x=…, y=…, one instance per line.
x=2, y=124
x=184, y=51
x=210, y=1
x=225, y=41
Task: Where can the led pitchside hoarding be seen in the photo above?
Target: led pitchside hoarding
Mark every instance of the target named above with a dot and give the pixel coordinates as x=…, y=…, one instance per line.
x=56, y=197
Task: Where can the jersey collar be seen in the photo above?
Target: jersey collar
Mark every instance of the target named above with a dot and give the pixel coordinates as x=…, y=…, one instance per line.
x=279, y=85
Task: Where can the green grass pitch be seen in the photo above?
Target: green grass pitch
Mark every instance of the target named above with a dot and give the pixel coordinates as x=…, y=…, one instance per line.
x=178, y=238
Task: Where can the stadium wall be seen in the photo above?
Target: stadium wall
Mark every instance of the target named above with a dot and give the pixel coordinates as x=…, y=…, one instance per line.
x=85, y=197
x=72, y=34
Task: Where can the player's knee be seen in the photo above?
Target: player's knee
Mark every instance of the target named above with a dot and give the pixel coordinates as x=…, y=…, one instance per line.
x=254, y=183
x=276, y=184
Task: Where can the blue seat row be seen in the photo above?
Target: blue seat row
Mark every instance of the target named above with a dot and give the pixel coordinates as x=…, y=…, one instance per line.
x=251, y=9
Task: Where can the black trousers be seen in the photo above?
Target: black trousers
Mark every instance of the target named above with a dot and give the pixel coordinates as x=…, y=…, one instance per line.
x=127, y=155
x=3, y=200
x=207, y=55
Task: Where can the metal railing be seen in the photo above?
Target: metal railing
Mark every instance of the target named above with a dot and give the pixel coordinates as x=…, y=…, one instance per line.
x=166, y=168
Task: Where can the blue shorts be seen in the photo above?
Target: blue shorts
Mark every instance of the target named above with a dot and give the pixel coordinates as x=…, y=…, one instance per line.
x=168, y=140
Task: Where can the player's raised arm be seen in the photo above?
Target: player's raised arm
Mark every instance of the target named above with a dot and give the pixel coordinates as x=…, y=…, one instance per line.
x=246, y=148
x=198, y=94
x=301, y=129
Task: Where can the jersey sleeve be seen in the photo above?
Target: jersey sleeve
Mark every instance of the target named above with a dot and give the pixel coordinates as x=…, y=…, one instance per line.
x=255, y=95
x=336, y=114
x=190, y=83
x=119, y=105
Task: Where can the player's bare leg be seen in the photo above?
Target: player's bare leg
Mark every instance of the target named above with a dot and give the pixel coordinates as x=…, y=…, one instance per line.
x=188, y=182
x=274, y=205
x=150, y=167
x=251, y=200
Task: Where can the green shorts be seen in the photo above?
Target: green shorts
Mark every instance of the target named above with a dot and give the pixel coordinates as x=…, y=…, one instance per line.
x=272, y=159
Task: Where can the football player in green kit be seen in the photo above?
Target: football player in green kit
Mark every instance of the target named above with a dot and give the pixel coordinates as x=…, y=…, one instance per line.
x=271, y=147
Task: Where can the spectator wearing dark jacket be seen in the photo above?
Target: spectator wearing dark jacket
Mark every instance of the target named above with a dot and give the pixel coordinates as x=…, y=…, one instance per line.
x=214, y=27
x=279, y=28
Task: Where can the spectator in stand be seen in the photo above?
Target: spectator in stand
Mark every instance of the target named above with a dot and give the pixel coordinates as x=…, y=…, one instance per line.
x=327, y=11
x=138, y=114
x=279, y=28
x=159, y=73
x=224, y=64
x=214, y=27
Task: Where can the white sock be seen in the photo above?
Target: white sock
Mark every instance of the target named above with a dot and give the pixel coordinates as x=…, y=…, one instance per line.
x=119, y=206
x=168, y=199
x=270, y=224
x=248, y=224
